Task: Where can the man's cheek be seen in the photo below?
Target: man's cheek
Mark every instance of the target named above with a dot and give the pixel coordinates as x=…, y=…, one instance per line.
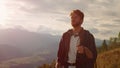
x=77, y=20
x=73, y=21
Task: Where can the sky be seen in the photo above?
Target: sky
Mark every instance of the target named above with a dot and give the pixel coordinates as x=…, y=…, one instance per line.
x=102, y=17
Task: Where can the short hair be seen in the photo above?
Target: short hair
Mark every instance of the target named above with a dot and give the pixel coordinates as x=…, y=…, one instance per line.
x=78, y=12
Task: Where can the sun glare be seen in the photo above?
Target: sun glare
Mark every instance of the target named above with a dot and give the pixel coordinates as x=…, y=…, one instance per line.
x=3, y=11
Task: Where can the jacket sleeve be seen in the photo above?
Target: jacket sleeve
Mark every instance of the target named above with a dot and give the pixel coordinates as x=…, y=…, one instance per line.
x=92, y=48
x=60, y=53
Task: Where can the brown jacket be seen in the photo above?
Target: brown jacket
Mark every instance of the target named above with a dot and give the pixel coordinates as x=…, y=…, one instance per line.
x=86, y=39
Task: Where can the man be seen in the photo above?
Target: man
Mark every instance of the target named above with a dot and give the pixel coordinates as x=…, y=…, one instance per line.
x=77, y=47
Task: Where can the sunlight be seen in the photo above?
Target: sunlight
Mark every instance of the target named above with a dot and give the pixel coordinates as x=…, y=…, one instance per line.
x=3, y=11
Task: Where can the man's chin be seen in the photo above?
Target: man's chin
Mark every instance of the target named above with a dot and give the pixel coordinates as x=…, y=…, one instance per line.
x=75, y=25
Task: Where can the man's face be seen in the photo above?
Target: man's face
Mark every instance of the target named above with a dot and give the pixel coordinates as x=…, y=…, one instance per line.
x=76, y=20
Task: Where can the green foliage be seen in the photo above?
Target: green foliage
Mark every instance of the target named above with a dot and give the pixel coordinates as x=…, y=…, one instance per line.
x=104, y=45
x=119, y=35
x=113, y=42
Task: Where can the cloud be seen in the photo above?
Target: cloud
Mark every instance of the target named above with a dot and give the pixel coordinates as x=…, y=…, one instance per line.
x=47, y=30
x=94, y=30
x=110, y=25
x=100, y=15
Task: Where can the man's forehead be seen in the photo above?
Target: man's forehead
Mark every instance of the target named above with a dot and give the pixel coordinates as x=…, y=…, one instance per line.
x=74, y=15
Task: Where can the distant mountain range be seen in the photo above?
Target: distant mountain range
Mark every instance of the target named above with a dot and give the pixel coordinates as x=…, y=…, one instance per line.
x=19, y=43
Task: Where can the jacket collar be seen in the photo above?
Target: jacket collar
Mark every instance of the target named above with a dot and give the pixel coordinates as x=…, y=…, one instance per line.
x=70, y=31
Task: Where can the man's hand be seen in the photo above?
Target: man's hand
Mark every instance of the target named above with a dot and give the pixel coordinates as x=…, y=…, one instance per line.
x=88, y=53
x=80, y=49
x=84, y=50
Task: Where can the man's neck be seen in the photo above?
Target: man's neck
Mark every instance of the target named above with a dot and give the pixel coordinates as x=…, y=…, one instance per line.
x=77, y=29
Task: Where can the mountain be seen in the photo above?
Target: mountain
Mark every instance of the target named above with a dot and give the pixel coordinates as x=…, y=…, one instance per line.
x=30, y=42
x=98, y=42
x=19, y=44
x=9, y=52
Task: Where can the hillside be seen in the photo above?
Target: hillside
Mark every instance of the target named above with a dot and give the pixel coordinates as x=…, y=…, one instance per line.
x=24, y=62
x=9, y=52
x=109, y=59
